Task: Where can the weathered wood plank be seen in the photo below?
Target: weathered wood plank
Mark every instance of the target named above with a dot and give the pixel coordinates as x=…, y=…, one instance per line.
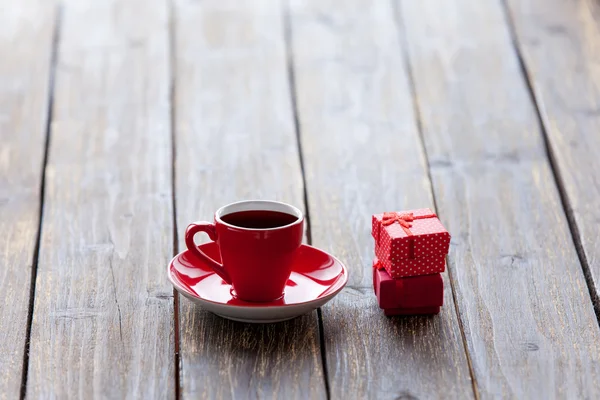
x=26, y=32
x=559, y=42
x=363, y=155
x=235, y=140
x=529, y=322
x=103, y=313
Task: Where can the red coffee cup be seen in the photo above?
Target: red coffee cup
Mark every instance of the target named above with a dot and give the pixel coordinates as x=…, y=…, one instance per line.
x=258, y=240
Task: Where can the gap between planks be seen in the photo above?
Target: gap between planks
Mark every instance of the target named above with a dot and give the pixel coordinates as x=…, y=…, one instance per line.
x=173, y=126
x=564, y=199
x=287, y=31
x=36, y=251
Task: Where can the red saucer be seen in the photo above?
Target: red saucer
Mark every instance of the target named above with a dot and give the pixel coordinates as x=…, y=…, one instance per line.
x=316, y=278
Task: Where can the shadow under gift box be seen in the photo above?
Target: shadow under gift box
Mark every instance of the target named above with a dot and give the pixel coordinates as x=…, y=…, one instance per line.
x=410, y=243
x=408, y=296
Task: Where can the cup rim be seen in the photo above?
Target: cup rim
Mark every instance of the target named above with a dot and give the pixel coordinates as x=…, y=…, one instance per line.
x=246, y=205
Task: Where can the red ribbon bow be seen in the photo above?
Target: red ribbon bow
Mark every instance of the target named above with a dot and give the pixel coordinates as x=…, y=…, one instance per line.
x=405, y=220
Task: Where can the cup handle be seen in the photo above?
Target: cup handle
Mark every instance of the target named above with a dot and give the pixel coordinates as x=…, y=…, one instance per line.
x=211, y=231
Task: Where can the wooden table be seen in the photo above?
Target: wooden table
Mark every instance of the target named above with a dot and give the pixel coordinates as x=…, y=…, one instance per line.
x=122, y=121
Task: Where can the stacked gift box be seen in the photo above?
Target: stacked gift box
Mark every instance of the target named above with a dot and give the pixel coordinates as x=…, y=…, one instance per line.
x=410, y=255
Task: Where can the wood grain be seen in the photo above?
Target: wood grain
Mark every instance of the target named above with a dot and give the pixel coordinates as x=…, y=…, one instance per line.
x=363, y=155
x=523, y=301
x=103, y=313
x=235, y=140
x=26, y=31
x=559, y=43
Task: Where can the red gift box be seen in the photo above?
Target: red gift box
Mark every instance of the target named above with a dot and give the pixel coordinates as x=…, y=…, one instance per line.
x=410, y=243
x=411, y=293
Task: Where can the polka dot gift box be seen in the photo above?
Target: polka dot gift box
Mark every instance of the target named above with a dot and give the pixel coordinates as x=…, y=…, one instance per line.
x=425, y=265
x=410, y=243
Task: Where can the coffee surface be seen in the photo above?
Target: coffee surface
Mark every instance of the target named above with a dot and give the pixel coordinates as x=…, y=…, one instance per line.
x=259, y=219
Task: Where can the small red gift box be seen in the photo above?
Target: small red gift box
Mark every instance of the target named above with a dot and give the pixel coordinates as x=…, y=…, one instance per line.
x=411, y=293
x=410, y=243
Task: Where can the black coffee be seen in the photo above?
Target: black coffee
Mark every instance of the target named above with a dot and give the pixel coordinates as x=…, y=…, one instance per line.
x=259, y=219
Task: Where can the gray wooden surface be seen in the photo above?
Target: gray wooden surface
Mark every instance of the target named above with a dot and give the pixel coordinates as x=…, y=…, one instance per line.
x=154, y=113
x=103, y=311
x=559, y=45
x=25, y=71
x=518, y=280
